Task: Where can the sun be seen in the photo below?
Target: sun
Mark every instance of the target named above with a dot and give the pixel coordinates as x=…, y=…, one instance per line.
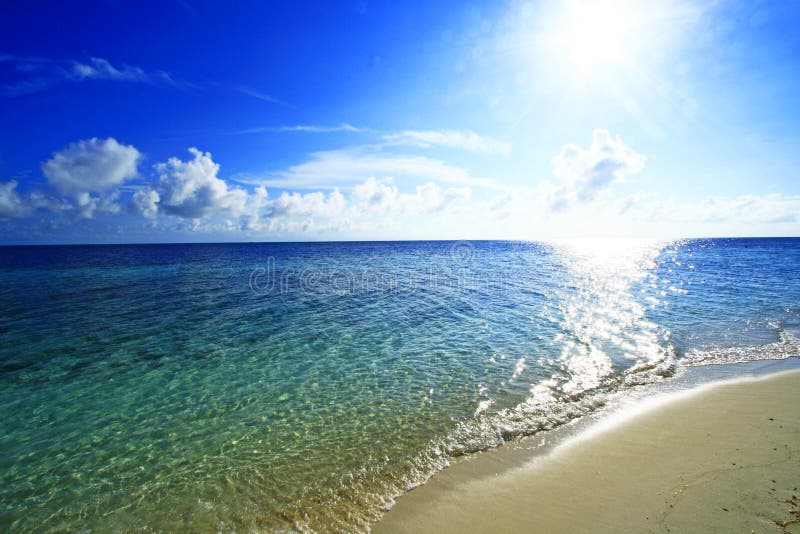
x=593, y=36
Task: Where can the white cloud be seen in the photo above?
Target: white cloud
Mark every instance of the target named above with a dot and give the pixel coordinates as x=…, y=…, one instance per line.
x=192, y=189
x=309, y=204
x=101, y=69
x=773, y=208
x=503, y=205
x=369, y=204
x=461, y=139
x=35, y=74
x=430, y=198
x=253, y=208
x=749, y=209
x=586, y=173
x=145, y=202
x=624, y=205
x=304, y=128
x=339, y=168
x=384, y=197
x=86, y=204
x=261, y=96
x=369, y=192
x=374, y=195
x=12, y=205
x=15, y=205
x=92, y=165
x=88, y=172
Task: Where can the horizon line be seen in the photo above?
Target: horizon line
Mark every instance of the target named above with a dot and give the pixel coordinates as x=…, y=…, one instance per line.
x=540, y=240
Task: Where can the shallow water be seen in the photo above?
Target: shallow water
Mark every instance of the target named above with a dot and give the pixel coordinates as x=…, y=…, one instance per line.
x=278, y=386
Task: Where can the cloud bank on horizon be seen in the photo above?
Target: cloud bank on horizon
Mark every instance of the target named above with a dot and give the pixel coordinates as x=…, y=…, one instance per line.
x=521, y=121
x=358, y=191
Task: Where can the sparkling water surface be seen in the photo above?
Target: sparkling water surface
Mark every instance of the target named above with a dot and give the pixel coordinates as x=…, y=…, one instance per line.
x=263, y=387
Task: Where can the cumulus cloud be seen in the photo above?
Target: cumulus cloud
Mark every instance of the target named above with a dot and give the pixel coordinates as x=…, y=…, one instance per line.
x=289, y=212
x=374, y=195
x=12, y=205
x=88, y=172
x=587, y=172
x=460, y=139
x=365, y=191
x=503, y=205
x=368, y=204
x=86, y=204
x=91, y=165
x=309, y=204
x=145, y=202
x=384, y=197
x=192, y=189
x=16, y=205
x=429, y=197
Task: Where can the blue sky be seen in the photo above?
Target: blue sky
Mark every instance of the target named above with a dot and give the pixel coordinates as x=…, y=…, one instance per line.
x=209, y=121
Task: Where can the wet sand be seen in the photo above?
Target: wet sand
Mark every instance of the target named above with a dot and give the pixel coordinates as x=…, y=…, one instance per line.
x=724, y=457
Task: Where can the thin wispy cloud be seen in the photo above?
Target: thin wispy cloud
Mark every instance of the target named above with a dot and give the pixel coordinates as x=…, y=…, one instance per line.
x=750, y=209
x=305, y=128
x=100, y=69
x=334, y=168
x=35, y=74
x=459, y=139
x=260, y=95
x=4, y=58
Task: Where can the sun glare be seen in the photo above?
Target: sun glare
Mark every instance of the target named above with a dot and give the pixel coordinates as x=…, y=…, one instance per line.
x=597, y=35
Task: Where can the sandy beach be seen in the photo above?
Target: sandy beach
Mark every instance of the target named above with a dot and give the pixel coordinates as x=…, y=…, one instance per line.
x=721, y=458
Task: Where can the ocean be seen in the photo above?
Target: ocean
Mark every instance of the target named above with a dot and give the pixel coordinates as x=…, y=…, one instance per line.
x=304, y=386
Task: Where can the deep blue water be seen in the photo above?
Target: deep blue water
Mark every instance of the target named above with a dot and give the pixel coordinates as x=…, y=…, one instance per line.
x=273, y=386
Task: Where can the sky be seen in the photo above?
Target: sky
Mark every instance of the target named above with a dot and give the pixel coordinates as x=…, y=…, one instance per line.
x=193, y=121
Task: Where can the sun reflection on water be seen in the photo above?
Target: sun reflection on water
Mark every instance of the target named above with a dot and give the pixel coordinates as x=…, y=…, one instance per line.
x=602, y=321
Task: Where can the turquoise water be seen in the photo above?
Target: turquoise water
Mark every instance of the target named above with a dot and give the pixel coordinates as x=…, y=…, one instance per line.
x=302, y=386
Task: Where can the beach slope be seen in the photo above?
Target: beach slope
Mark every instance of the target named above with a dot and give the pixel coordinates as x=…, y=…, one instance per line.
x=723, y=458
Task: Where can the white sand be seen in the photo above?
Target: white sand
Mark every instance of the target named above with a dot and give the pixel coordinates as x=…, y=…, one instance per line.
x=720, y=459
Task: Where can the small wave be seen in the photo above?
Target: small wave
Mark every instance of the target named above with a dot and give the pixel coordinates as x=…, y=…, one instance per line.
x=358, y=499
x=550, y=405
x=787, y=346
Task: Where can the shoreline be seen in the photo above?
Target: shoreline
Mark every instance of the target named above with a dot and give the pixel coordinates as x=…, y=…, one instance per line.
x=723, y=455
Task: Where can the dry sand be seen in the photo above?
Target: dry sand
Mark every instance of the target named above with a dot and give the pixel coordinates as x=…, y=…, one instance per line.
x=724, y=458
